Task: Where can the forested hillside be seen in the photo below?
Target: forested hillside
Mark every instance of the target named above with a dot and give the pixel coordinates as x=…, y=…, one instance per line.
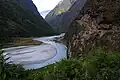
x=28, y=4
x=17, y=20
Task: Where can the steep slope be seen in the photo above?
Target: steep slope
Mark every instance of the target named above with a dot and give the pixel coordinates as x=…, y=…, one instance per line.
x=56, y=17
x=98, y=24
x=62, y=7
x=28, y=4
x=17, y=20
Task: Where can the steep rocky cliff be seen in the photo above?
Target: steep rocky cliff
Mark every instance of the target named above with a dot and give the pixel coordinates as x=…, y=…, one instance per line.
x=96, y=25
x=17, y=20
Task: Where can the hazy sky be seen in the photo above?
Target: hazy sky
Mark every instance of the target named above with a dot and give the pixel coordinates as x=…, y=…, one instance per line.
x=44, y=5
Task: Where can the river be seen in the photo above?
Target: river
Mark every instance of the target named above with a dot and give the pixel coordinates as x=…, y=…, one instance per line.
x=33, y=57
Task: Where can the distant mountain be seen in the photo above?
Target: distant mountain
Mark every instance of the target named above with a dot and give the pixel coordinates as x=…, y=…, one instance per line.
x=44, y=13
x=65, y=10
x=17, y=19
x=62, y=7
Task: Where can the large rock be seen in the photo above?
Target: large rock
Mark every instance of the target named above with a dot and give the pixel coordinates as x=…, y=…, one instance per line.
x=97, y=26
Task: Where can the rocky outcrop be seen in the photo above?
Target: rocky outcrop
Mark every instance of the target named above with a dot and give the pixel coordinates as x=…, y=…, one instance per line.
x=96, y=25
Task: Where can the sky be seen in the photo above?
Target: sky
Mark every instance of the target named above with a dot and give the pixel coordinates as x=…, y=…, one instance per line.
x=44, y=5
x=44, y=13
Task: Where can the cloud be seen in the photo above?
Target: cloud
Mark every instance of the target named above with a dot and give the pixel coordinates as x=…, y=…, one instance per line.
x=44, y=5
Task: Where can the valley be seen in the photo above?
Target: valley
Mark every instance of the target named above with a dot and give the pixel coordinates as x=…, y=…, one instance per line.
x=77, y=40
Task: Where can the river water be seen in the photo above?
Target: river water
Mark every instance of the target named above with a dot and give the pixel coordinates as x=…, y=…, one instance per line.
x=33, y=57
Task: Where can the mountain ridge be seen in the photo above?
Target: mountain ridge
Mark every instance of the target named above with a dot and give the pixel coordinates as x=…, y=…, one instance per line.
x=64, y=19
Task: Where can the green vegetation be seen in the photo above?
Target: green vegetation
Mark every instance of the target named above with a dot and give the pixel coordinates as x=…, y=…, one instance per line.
x=62, y=10
x=10, y=72
x=21, y=42
x=98, y=65
x=25, y=42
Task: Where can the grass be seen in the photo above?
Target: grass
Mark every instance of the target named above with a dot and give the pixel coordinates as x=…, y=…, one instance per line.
x=22, y=42
x=25, y=42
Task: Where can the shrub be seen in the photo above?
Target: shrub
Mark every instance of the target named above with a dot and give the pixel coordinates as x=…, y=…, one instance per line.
x=99, y=65
x=10, y=71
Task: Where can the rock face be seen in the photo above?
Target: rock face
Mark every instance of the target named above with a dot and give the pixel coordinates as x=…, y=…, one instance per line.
x=61, y=17
x=29, y=5
x=96, y=25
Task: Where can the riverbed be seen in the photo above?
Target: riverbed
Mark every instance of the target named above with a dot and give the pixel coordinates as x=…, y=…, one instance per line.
x=37, y=56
